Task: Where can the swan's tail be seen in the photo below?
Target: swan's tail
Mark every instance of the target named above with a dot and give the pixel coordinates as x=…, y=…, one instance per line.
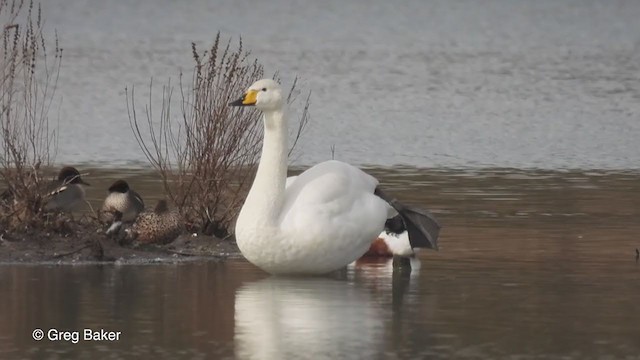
x=422, y=227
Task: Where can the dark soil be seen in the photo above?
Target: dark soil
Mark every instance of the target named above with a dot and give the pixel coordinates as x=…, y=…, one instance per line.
x=85, y=241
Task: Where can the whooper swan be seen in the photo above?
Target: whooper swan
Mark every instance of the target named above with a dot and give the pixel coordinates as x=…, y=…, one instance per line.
x=323, y=219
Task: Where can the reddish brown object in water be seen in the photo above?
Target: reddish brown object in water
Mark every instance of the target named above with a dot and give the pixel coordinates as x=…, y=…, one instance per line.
x=378, y=248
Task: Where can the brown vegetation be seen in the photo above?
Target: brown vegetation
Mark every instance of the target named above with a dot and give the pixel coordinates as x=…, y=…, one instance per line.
x=206, y=157
x=28, y=81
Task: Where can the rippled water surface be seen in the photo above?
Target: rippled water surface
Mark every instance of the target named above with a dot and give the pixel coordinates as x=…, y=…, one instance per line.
x=533, y=264
x=497, y=83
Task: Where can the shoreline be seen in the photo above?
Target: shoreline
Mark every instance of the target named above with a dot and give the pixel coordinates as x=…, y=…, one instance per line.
x=96, y=248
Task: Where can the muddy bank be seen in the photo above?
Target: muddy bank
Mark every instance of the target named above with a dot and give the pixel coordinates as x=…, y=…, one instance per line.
x=88, y=244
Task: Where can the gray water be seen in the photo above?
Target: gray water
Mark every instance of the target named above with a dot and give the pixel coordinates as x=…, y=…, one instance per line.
x=497, y=83
x=446, y=310
x=532, y=265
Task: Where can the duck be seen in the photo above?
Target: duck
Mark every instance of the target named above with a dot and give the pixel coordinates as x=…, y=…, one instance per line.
x=124, y=200
x=66, y=193
x=323, y=219
x=393, y=241
x=160, y=226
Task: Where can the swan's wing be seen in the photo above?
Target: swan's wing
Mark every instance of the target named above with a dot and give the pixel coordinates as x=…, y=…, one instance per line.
x=290, y=181
x=334, y=199
x=330, y=215
x=327, y=182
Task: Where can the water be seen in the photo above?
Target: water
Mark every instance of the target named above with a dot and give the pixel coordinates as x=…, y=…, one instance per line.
x=523, y=84
x=537, y=254
x=533, y=264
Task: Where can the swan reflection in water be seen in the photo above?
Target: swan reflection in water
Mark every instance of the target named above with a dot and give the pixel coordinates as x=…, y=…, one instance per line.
x=279, y=318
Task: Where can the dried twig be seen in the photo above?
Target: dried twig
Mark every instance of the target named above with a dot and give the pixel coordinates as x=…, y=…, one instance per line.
x=207, y=155
x=28, y=80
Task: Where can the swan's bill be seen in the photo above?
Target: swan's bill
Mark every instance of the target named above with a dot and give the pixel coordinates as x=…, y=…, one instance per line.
x=248, y=99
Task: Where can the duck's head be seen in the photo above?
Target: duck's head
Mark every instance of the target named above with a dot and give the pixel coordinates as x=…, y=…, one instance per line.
x=264, y=94
x=70, y=175
x=120, y=186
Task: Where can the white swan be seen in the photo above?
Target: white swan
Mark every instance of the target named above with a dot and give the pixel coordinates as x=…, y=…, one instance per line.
x=323, y=219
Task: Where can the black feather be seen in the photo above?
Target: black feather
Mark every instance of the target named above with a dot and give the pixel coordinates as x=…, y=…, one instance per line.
x=422, y=227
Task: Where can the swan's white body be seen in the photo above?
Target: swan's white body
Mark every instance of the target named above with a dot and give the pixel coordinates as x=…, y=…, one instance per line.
x=315, y=223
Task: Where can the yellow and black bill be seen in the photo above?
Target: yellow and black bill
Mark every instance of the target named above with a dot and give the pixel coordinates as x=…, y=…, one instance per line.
x=248, y=99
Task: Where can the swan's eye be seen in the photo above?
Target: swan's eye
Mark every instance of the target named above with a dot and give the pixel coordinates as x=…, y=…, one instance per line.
x=264, y=89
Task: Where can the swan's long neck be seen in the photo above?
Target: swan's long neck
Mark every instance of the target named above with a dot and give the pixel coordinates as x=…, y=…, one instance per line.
x=266, y=196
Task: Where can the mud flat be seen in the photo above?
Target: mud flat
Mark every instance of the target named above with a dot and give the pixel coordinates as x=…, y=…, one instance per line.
x=86, y=244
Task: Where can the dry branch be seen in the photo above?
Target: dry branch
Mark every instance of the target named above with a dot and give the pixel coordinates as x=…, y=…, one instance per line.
x=28, y=81
x=207, y=155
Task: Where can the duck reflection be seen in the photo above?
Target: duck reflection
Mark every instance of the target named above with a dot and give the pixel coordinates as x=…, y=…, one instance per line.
x=382, y=273
x=277, y=318
x=396, y=287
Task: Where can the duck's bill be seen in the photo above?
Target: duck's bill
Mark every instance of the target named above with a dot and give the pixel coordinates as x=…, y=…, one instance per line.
x=84, y=182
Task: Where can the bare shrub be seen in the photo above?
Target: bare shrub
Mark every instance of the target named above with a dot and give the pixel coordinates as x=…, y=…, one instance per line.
x=28, y=82
x=206, y=158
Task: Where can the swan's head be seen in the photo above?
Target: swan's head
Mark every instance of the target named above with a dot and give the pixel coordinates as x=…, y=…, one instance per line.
x=264, y=94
